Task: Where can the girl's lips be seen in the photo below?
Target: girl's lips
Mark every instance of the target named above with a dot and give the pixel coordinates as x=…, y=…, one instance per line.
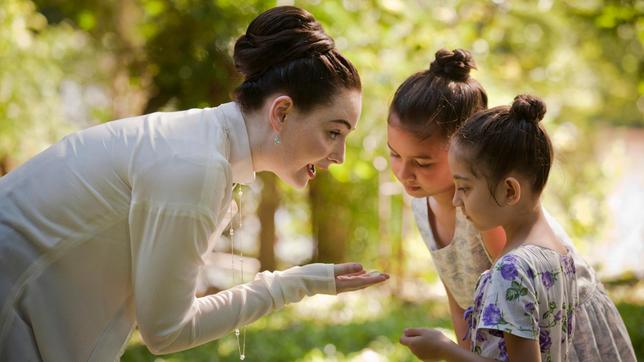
x=310, y=169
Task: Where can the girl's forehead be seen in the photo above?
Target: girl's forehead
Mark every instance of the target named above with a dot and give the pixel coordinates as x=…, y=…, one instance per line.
x=404, y=140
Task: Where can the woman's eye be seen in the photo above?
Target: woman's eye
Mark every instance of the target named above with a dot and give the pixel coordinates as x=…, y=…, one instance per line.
x=394, y=155
x=334, y=134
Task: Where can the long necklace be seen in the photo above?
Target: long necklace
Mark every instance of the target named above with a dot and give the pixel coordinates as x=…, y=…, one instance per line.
x=240, y=335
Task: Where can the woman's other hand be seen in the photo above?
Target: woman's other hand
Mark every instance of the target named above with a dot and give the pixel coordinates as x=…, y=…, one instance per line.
x=351, y=276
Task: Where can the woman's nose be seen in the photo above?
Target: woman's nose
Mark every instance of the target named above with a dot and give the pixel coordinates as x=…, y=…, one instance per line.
x=338, y=155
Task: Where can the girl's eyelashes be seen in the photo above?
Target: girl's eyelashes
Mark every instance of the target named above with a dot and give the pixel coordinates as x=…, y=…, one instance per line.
x=423, y=165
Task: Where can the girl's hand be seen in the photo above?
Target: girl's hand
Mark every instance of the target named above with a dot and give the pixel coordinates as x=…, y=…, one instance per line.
x=427, y=344
x=351, y=276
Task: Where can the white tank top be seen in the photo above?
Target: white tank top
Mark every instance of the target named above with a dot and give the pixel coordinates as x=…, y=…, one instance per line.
x=461, y=262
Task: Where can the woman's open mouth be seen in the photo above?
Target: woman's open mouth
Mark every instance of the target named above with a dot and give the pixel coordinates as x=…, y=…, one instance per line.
x=310, y=169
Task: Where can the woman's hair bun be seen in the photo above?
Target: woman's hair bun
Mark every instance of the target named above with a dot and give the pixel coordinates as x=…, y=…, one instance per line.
x=528, y=108
x=454, y=64
x=278, y=36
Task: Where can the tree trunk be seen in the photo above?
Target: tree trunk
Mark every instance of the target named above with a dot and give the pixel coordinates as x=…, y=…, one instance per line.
x=330, y=222
x=268, y=204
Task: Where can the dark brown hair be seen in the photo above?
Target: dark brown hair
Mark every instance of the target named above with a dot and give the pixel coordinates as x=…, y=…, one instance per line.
x=508, y=138
x=440, y=99
x=286, y=50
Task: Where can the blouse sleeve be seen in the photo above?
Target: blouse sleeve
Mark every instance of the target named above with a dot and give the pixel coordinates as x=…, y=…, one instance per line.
x=509, y=302
x=170, y=222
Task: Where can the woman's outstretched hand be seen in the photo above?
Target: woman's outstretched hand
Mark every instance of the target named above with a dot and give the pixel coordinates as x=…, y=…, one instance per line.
x=351, y=276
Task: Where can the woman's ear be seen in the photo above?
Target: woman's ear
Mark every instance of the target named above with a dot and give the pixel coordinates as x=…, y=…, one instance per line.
x=278, y=111
x=510, y=191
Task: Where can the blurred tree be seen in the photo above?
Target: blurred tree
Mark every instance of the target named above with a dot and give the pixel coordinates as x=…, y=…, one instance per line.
x=268, y=204
x=584, y=58
x=33, y=55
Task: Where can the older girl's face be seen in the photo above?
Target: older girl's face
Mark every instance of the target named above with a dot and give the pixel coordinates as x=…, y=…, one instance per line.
x=317, y=139
x=419, y=164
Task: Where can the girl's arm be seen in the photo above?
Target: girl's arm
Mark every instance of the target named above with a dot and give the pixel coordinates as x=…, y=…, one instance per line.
x=494, y=241
x=458, y=320
x=522, y=349
x=430, y=344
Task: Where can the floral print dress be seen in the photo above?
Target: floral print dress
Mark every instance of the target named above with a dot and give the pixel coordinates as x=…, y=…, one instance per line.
x=530, y=292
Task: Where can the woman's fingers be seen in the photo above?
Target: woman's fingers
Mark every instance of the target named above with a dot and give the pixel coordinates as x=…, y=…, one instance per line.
x=348, y=283
x=361, y=272
x=347, y=268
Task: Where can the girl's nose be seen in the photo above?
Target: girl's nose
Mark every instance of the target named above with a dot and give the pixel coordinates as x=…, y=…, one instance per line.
x=407, y=172
x=456, y=200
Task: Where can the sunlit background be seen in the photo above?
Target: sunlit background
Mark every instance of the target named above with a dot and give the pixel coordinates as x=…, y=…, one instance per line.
x=67, y=65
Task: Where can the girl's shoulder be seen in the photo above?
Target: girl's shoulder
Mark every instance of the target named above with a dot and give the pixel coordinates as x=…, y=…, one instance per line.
x=531, y=263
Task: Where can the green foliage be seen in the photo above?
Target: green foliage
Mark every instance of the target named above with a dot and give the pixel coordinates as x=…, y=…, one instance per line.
x=287, y=335
x=583, y=57
x=633, y=315
x=32, y=60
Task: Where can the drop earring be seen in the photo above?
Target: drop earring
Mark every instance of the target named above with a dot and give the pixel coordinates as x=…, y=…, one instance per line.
x=276, y=139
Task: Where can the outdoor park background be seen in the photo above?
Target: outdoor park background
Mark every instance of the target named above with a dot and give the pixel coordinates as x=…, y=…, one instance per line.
x=67, y=65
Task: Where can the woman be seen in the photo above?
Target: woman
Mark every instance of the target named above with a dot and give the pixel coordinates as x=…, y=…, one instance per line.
x=107, y=229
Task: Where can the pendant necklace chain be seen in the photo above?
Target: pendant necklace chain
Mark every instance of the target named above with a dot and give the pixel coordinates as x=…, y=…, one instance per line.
x=240, y=335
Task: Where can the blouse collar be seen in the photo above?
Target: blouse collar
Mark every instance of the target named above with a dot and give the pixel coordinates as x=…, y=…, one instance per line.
x=239, y=155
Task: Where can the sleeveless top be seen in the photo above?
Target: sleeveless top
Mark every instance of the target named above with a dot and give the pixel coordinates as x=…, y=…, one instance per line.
x=462, y=261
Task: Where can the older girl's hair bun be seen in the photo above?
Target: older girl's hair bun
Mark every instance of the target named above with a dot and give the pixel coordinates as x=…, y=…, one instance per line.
x=527, y=108
x=278, y=36
x=454, y=64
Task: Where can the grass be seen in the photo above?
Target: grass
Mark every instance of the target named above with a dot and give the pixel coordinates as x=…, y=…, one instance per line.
x=359, y=326
x=362, y=326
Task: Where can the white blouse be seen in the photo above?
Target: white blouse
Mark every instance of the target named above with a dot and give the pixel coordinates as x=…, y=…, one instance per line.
x=108, y=228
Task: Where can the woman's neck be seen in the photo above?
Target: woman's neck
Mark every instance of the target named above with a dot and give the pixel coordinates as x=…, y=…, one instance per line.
x=260, y=139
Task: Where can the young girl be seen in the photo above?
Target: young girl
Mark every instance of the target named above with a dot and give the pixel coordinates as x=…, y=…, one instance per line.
x=523, y=306
x=426, y=110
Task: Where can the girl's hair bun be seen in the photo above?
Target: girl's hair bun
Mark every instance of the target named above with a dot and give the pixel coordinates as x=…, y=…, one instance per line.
x=454, y=64
x=528, y=108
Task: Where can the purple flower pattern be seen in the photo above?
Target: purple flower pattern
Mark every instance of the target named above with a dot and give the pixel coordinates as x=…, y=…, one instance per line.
x=503, y=353
x=491, y=315
x=548, y=279
x=509, y=271
x=544, y=340
x=568, y=265
x=513, y=300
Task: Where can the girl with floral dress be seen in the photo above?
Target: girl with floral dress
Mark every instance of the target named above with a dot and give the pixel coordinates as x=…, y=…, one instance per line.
x=524, y=305
x=426, y=110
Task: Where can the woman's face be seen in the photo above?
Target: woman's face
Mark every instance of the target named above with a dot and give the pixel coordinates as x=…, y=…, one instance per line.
x=419, y=164
x=317, y=139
